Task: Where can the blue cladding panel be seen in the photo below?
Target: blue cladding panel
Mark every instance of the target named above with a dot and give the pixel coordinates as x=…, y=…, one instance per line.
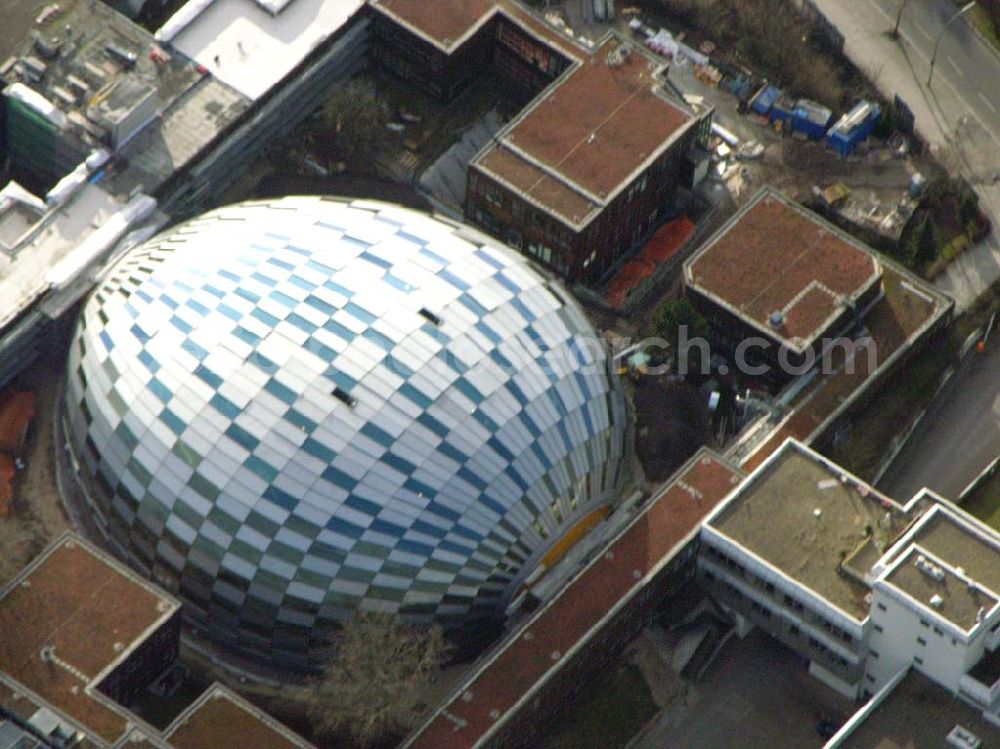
x=452, y=426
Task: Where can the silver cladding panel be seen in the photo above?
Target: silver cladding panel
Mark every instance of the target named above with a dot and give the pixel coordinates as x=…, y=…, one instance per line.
x=200, y=401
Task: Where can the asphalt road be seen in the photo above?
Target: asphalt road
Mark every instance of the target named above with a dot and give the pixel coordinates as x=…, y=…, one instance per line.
x=958, y=114
x=959, y=436
x=964, y=63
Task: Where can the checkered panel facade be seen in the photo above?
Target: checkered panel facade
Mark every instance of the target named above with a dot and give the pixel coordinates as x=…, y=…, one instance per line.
x=292, y=410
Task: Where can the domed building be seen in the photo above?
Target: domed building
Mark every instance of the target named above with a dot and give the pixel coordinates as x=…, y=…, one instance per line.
x=287, y=411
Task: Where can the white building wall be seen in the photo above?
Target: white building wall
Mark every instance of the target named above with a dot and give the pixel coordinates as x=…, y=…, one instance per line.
x=838, y=685
x=908, y=636
x=797, y=614
x=903, y=634
x=785, y=585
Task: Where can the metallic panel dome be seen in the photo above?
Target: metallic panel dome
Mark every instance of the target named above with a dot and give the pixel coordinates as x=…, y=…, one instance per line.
x=289, y=410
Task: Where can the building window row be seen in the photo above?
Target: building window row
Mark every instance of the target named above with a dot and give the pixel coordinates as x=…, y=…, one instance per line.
x=827, y=653
x=493, y=194
x=833, y=629
x=793, y=604
x=789, y=602
x=638, y=187
x=762, y=610
x=486, y=220
x=726, y=561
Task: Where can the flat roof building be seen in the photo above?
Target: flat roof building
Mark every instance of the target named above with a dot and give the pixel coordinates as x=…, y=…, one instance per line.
x=590, y=134
x=936, y=607
x=862, y=586
x=221, y=719
x=790, y=552
x=546, y=659
x=83, y=636
x=585, y=172
x=74, y=619
x=824, y=320
x=777, y=271
x=781, y=271
x=914, y=711
x=108, y=84
x=252, y=45
x=807, y=518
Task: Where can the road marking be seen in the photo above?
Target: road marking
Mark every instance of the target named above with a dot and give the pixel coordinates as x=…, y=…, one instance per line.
x=987, y=102
x=919, y=27
x=919, y=52
x=955, y=67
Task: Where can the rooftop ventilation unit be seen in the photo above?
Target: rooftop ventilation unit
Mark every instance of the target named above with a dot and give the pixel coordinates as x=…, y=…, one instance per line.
x=962, y=738
x=937, y=601
x=929, y=568
x=776, y=320
x=123, y=57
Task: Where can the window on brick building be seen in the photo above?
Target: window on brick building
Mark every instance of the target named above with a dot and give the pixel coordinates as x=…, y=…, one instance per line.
x=494, y=195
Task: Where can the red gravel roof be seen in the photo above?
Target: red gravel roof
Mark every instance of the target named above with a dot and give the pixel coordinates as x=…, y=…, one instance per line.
x=585, y=137
x=663, y=245
x=444, y=22
x=219, y=719
x=777, y=256
x=92, y=611
x=526, y=660
x=588, y=136
x=598, y=126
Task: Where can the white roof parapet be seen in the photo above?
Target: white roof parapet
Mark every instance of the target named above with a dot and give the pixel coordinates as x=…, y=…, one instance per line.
x=13, y=192
x=38, y=103
x=249, y=47
x=274, y=7
x=103, y=239
x=180, y=20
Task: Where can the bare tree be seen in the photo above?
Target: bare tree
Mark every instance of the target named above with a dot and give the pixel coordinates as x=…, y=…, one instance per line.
x=356, y=119
x=377, y=679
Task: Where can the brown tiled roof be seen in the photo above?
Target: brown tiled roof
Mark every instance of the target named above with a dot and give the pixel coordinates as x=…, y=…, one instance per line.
x=528, y=179
x=221, y=720
x=586, y=137
x=565, y=623
x=91, y=611
x=776, y=256
x=443, y=21
x=600, y=124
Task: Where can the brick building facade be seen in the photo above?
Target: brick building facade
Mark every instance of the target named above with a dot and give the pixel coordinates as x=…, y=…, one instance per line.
x=588, y=170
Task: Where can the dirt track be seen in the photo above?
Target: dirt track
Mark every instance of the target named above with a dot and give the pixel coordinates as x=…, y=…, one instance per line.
x=36, y=497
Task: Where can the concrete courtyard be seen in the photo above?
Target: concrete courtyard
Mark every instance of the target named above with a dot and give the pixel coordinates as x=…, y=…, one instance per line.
x=757, y=694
